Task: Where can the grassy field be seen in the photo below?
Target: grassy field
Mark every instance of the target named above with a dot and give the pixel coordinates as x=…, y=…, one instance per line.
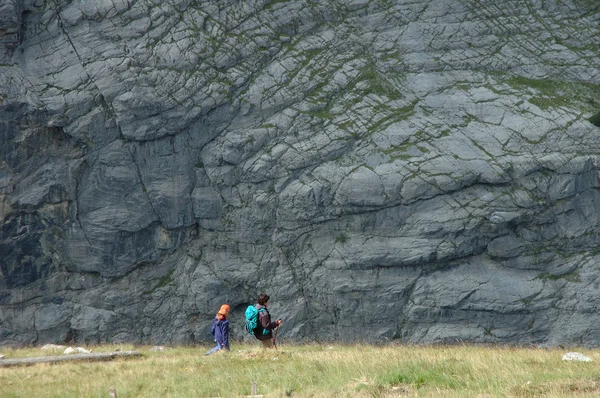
x=312, y=371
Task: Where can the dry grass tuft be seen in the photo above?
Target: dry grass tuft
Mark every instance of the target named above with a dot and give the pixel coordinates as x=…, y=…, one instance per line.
x=312, y=371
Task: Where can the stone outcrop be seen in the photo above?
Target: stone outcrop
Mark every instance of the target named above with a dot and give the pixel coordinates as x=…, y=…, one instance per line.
x=576, y=356
x=419, y=171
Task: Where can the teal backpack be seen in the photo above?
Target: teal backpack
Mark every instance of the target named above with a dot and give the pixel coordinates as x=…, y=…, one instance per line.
x=252, y=318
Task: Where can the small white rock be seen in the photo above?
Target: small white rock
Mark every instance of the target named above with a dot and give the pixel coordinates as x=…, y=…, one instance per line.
x=496, y=219
x=70, y=350
x=82, y=350
x=53, y=347
x=576, y=356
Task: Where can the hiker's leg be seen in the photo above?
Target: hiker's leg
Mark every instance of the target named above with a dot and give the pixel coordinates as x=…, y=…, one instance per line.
x=267, y=343
x=213, y=350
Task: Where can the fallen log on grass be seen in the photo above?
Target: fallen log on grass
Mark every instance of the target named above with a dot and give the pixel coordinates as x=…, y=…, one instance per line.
x=101, y=356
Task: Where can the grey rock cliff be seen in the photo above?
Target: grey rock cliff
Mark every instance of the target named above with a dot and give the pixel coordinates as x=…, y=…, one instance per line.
x=419, y=171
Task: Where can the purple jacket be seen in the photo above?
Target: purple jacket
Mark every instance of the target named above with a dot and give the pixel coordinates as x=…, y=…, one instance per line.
x=220, y=331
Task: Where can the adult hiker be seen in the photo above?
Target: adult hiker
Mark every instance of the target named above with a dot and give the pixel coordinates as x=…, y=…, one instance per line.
x=220, y=330
x=264, y=328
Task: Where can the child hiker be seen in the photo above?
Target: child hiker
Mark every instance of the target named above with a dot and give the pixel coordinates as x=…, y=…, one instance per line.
x=220, y=330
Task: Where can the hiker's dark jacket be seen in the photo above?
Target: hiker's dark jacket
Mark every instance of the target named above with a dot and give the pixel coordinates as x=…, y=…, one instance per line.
x=220, y=330
x=264, y=332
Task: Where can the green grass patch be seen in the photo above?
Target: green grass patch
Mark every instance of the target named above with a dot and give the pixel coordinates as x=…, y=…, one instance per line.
x=570, y=277
x=595, y=119
x=555, y=93
x=377, y=83
x=311, y=370
x=273, y=3
x=444, y=375
x=162, y=282
x=393, y=115
x=341, y=238
x=321, y=114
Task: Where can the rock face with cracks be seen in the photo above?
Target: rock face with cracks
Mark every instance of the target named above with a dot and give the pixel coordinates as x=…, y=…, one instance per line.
x=420, y=171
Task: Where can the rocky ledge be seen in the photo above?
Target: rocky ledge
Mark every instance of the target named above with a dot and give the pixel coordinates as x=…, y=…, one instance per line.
x=419, y=171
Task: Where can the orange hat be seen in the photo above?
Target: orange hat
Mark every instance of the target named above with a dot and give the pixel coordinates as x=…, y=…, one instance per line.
x=224, y=310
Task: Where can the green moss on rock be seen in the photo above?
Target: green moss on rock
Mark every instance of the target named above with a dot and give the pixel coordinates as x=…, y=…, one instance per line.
x=595, y=119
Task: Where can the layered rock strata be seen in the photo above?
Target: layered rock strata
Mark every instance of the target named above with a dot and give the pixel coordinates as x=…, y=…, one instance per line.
x=419, y=171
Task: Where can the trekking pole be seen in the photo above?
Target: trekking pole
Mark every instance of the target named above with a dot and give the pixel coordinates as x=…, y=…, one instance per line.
x=275, y=337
